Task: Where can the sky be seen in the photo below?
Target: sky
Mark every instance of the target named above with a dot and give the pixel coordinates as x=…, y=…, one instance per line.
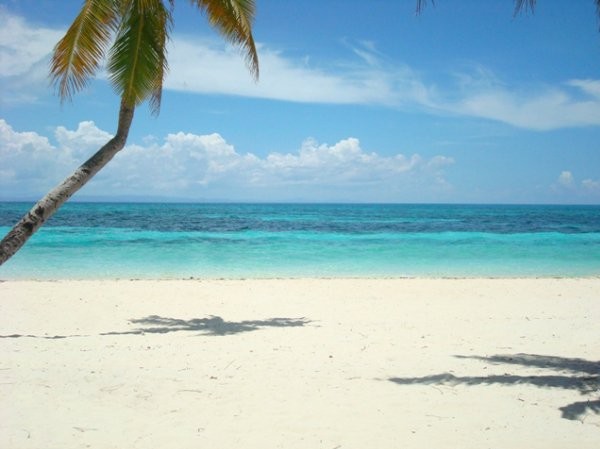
x=357, y=101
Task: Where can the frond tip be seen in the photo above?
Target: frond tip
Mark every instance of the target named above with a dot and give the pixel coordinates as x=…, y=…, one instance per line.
x=527, y=5
x=233, y=19
x=421, y=4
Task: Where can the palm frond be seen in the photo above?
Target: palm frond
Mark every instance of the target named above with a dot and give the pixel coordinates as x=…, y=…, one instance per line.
x=165, y=18
x=78, y=54
x=421, y=4
x=527, y=5
x=233, y=19
x=137, y=60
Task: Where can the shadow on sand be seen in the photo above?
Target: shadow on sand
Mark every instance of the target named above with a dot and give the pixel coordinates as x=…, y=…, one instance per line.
x=213, y=325
x=576, y=374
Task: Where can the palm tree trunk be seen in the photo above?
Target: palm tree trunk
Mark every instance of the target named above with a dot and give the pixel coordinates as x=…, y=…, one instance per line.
x=50, y=203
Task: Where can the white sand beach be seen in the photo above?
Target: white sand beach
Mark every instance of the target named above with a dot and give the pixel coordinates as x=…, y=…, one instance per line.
x=340, y=363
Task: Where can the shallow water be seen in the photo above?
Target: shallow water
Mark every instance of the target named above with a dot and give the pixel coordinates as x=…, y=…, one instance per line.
x=104, y=240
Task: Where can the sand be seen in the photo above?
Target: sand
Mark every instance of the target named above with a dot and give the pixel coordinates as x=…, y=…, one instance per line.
x=340, y=363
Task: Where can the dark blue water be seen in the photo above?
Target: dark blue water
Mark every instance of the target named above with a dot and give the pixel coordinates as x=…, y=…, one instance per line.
x=98, y=240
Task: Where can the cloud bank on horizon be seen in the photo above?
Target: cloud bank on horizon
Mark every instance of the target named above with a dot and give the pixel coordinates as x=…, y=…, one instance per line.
x=192, y=167
x=205, y=167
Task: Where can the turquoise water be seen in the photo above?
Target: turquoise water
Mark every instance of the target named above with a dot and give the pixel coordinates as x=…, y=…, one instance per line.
x=101, y=240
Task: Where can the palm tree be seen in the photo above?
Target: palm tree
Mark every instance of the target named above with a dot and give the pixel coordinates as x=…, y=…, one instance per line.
x=134, y=33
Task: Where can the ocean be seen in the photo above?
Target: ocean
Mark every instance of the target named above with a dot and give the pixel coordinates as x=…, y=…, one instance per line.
x=146, y=240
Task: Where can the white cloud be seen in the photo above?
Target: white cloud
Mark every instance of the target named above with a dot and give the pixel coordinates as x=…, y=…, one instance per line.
x=208, y=67
x=23, y=45
x=566, y=179
x=480, y=93
x=29, y=162
x=208, y=167
x=366, y=78
x=590, y=87
x=367, y=51
x=24, y=56
x=586, y=190
x=591, y=185
x=82, y=142
x=546, y=109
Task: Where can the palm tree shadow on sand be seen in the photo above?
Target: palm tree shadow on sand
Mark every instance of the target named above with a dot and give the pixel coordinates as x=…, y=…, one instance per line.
x=576, y=374
x=212, y=325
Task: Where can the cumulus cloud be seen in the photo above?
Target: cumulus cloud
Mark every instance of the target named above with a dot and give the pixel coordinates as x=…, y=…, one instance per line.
x=566, y=179
x=584, y=190
x=185, y=165
x=366, y=77
x=30, y=163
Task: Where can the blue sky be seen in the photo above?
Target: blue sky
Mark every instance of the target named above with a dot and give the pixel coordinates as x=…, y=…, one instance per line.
x=358, y=101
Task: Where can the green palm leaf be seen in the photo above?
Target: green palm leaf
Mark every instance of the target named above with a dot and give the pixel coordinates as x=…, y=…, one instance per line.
x=137, y=60
x=164, y=29
x=233, y=18
x=78, y=54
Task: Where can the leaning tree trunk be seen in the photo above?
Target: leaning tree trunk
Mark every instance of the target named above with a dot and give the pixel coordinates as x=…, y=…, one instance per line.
x=48, y=205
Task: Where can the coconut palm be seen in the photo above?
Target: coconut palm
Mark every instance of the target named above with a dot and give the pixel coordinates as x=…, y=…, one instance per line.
x=133, y=34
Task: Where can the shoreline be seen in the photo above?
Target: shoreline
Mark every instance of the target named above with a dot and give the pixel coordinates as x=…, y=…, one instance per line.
x=300, y=363
x=299, y=278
